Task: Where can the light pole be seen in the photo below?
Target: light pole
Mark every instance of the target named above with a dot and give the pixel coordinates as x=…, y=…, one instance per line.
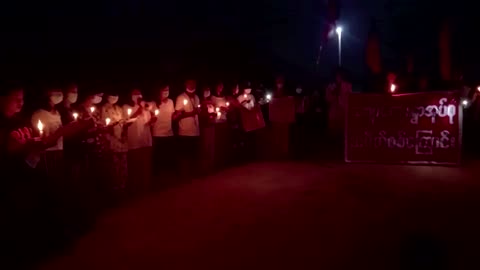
x=339, y=33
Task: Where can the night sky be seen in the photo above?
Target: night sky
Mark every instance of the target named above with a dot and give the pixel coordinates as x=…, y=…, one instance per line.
x=135, y=41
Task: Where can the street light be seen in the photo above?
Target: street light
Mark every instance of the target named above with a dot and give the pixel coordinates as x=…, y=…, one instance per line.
x=339, y=33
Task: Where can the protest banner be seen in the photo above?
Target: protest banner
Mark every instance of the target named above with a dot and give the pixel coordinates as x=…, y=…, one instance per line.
x=410, y=128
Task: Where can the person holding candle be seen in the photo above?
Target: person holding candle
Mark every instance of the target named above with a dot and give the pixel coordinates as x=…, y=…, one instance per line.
x=246, y=99
x=222, y=129
x=50, y=118
x=67, y=107
x=116, y=154
x=139, y=138
x=163, y=139
x=25, y=220
x=186, y=112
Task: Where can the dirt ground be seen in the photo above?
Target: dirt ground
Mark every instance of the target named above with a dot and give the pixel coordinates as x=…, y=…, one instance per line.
x=295, y=216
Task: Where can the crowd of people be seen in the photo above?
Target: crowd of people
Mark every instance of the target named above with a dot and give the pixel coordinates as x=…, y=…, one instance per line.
x=81, y=150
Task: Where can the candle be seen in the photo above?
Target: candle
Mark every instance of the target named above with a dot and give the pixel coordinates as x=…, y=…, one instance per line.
x=107, y=121
x=185, y=102
x=199, y=106
x=393, y=87
x=219, y=114
x=75, y=116
x=245, y=96
x=157, y=112
x=40, y=127
x=92, y=109
x=228, y=104
x=217, y=109
x=268, y=97
x=129, y=111
x=478, y=89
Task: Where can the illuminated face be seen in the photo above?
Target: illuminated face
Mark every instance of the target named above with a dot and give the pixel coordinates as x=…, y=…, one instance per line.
x=14, y=101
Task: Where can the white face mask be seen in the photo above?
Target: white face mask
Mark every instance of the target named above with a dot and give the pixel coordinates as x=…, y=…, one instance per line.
x=72, y=97
x=112, y=99
x=248, y=91
x=190, y=91
x=56, y=98
x=165, y=94
x=135, y=98
x=299, y=90
x=97, y=99
x=206, y=94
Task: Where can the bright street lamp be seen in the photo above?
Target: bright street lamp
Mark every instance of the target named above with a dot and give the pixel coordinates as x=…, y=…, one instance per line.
x=339, y=33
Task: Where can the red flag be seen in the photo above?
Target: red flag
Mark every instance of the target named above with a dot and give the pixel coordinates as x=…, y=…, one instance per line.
x=444, y=49
x=373, y=56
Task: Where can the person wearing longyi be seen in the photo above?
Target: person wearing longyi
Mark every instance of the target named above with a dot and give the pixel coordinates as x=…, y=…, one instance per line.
x=163, y=139
x=116, y=135
x=51, y=120
x=139, y=139
x=186, y=113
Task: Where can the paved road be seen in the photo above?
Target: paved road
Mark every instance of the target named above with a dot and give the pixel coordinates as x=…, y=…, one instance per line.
x=295, y=216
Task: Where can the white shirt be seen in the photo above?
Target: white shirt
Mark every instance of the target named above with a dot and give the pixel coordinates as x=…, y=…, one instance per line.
x=139, y=134
x=163, y=125
x=248, y=105
x=51, y=123
x=188, y=126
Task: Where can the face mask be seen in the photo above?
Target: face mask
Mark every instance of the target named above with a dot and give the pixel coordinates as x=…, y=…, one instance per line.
x=191, y=91
x=299, y=90
x=206, y=94
x=136, y=97
x=165, y=94
x=112, y=99
x=97, y=99
x=56, y=98
x=248, y=91
x=72, y=97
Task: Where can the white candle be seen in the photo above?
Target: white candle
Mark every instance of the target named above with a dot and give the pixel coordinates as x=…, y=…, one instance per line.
x=219, y=114
x=157, y=112
x=75, y=116
x=92, y=109
x=107, y=121
x=40, y=127
x=217, y=109
x=185, y=102
x=129, y=111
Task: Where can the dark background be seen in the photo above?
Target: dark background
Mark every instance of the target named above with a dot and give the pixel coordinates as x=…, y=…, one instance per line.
x=140, y=42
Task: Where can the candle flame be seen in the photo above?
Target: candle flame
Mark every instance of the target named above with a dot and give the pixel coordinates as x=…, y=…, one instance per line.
x=219, y=114
x=129, y=111
x=92, y=109
x=217, y=109
x=157, y=112
x=75, y=116
x=40, y=126
x=107, y=121
x=269, y=96
x=478, y=89
x=185, y=102
x=228, y=104
x=393, y=87
x=244, y=95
